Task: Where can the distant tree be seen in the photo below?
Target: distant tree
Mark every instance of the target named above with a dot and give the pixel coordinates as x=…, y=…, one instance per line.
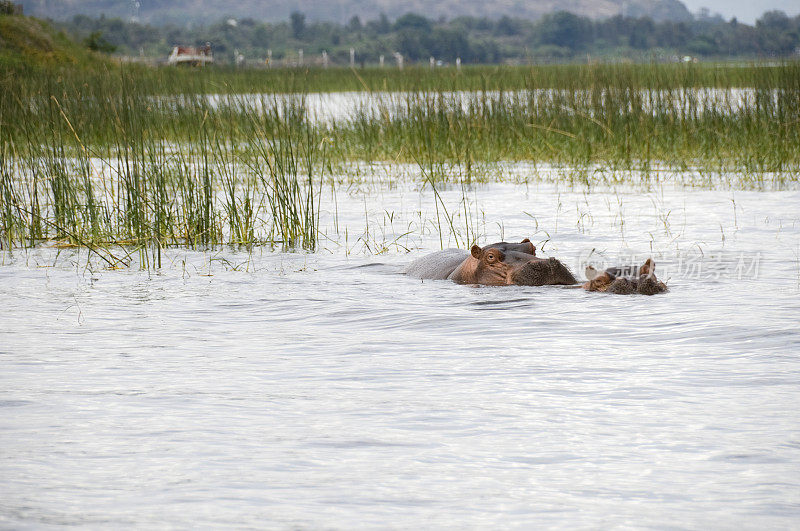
x=506, y=26
x=777, y=34
x=7, y=7
x=702, y=45
x=83, y=22
x=97, y=43
x=560, y=36
x=642, y=34
x=566, y=30
x=261, y=36
x=412, y=43
x=775, y=21
x=354, y=24
x=447, y=44
x=485, y=51
x=298, y=22
x=484, y=24
x=412, y=21
x=672, y=34
x=381, y=26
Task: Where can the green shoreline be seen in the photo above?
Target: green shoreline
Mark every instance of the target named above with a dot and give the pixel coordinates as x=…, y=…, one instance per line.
x=189, y=172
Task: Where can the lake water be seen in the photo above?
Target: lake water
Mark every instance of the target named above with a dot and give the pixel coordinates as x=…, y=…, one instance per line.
x=327, y=390
x=331, y=107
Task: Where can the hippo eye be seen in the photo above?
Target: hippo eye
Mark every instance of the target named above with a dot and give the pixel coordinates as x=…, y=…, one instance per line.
x=492, y=256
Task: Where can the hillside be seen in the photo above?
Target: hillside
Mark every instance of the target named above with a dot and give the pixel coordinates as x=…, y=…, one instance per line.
x=204, y=11
x=32, y=42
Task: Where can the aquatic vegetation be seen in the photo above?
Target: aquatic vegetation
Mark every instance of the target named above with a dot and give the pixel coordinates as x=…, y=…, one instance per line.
x=145, y=158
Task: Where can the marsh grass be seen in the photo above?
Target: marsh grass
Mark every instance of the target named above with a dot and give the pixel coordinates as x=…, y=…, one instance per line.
x=142, y=158
x=293, y=151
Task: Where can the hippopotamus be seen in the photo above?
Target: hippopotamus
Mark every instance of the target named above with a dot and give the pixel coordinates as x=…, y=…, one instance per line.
x=497, y=264
x=625, y=280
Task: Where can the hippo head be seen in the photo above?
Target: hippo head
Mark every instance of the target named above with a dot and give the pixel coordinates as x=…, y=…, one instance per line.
x=503, y=263
x=598, y=281
x=611, y=280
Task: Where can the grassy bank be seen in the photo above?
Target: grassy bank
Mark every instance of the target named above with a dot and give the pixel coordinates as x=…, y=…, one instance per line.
x=623, y=115
x=105, y=155
x=28, y=44
x=56, y=53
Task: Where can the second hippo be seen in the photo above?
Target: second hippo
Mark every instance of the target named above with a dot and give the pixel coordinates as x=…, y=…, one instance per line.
x=625, y=280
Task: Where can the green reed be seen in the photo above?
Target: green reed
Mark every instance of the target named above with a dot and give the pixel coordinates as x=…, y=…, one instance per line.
x=139, y=157
x=292, y=150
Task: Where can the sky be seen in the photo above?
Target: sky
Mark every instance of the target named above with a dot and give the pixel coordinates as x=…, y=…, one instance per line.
x=746, y=11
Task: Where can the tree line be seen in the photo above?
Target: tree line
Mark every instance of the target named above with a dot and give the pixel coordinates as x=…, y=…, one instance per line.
x=560, y=36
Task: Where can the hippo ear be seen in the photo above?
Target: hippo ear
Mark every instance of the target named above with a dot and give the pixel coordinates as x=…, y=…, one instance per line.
x=533, y=247
x=648, y=268
x=476, y=252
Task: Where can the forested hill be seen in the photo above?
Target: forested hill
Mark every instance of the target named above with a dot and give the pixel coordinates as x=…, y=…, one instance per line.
x=181, y=12
x=560, y=36
x=28, y=42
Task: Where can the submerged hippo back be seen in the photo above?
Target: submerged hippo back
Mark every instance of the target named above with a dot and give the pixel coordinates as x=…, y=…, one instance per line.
x=436, y=266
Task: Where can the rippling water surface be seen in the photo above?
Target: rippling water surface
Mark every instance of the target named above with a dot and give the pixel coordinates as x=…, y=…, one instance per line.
x=328, y=390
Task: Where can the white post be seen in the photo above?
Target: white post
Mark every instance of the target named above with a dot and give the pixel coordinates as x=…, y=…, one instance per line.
x=269, y=58
x=399, y=57
x=300, y=57
x=458, y=63
x=352, y=58
x=381, y=61
x=433, y=62
x=324, y=59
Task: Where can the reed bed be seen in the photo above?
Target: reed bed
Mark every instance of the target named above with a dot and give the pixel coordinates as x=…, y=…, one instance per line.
x=139, y=159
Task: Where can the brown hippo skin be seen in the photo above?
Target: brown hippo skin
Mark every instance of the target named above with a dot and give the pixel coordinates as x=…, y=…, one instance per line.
x=622, y=281
x=497, y=264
